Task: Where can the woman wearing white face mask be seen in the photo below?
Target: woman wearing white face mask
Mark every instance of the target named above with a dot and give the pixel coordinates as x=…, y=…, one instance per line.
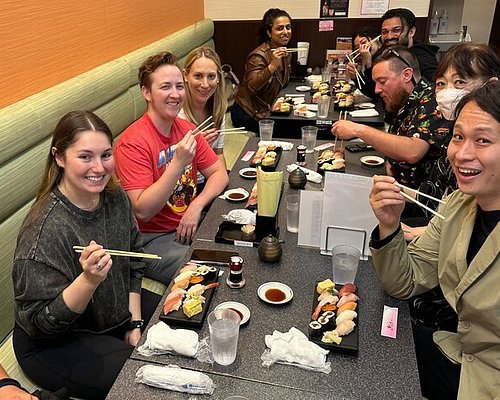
x=465, y=67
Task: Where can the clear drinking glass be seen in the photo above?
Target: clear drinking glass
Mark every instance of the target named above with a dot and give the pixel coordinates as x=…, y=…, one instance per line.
x=309, y=134
x=345, y=261
x=323, y=106
x=224, y=327
x=292, y=213
x=266, y=129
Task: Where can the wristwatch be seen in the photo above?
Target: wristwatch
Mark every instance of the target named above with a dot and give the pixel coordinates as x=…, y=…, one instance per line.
x=9, y=382
x=134, y=324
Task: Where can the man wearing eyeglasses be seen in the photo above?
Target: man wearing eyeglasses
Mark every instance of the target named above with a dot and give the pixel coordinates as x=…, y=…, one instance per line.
x=418, y=133
x=398, y=27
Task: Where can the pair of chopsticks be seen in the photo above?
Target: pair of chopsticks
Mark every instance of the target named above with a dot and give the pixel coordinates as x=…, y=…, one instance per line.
x=241, y=129
x=354, y=54
x=408, y=197
x=359, y=78
x=342, y=140
x=196, y=131
x=292, y=49
x=121, y=253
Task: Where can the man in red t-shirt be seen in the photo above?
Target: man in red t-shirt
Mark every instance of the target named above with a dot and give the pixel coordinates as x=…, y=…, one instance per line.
x=157, y=158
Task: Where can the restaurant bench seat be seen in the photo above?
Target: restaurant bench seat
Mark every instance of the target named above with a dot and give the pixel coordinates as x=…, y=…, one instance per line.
x=112, y=92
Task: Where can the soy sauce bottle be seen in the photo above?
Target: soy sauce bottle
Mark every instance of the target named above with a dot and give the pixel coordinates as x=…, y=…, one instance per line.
x=235, y=278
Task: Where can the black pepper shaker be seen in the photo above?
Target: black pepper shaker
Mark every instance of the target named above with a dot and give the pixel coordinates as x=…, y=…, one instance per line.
x=235, y=278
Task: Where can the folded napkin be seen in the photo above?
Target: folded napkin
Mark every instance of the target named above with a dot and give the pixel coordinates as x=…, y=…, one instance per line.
x=283, y=145
x=311, y=175
x=370, y=112
x=172, y=377
x=241, y=216
x=162, y=339
x=294, y=348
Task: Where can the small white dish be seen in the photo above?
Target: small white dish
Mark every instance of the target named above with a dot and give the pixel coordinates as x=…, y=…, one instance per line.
x=248, y=173
x=235, y=195
x=372, y=161
x=366, y=105
x=264, y=289
x=238, y=307
x=303, y=88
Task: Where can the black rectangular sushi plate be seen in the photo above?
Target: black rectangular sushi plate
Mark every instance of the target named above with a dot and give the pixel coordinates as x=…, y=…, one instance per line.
x=178, y=318
x=270, y=168
x=349, y=344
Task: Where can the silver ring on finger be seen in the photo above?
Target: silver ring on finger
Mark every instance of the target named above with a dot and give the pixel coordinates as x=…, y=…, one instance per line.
x=99, y=267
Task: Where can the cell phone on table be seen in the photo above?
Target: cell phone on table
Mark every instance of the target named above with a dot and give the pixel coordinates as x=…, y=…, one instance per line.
x=215, y=256
x=356, y=147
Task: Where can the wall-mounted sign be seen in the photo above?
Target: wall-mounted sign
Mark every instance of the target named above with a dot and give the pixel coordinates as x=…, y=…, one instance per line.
x=374, y=7
x=333, y=8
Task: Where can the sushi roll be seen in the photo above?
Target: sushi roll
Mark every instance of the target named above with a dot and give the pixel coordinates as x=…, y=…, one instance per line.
x=315, y=328
x=211, y=273
x=325, y=323
x=328, y=314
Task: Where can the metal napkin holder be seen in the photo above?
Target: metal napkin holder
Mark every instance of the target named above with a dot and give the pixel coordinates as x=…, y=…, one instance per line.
x=328, y=252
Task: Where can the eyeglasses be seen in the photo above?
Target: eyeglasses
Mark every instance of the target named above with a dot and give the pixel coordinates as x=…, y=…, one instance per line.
x=388, y=53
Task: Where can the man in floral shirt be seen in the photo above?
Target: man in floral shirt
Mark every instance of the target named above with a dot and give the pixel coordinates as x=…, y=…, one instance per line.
x=418, y=134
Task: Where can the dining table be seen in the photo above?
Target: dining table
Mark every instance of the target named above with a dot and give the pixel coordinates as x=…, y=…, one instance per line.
x=383, y=367
x=288, y=125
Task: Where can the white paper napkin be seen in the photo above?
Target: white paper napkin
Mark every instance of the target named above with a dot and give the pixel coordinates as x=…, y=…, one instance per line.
x=172, y=377
x=284, y=145
x=311, y=175
x=162, y=339
x=370, y=112
x=294, y=348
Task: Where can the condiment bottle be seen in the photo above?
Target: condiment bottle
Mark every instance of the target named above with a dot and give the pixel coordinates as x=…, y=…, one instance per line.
x=235, y=278
x=301, y=155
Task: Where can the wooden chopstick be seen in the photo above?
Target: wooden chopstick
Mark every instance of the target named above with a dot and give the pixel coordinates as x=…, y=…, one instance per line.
x=204, y=129
x=241, y=128
x=420, y=193
x=358, y=75
x=408, y=197
x=357, y=50
x=292, y=49
x=199, y=127
x=122, y=253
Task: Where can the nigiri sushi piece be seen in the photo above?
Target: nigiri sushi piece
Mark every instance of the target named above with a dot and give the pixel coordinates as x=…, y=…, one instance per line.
x=347, y=298
x=347, y=306
x=330, y=299
x=180, y=284
x=188, y=267
x=197, y=290
x=184, y=275
x=173, y=300
x=347, y=314
x=327, y=292
x=345, y=327
x=347, y=288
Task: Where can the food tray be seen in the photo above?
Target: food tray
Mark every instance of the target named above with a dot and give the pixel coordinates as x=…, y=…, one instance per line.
x=325, y=161
x=349, y=344
x=178, y=317
x=270, y=168
x=229, y=233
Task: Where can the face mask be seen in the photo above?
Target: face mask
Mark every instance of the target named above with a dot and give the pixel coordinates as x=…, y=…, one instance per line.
x=448, y=100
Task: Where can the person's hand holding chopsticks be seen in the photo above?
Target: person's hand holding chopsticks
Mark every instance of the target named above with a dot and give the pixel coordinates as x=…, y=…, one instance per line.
x=276, y=56
x=387, y=204
x=211, y=135
x=95, y=263
x=185, y=150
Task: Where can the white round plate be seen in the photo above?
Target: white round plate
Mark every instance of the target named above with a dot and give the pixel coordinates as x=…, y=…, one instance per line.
x=231, y=192
x=252, y=173
x=261, y=291
x=303, y=88
x=366, y=105
x=372, y=161
x=243, y=309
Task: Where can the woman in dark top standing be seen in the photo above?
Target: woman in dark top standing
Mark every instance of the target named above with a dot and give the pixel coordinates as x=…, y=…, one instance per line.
x=78, y=316
x=267, y=71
